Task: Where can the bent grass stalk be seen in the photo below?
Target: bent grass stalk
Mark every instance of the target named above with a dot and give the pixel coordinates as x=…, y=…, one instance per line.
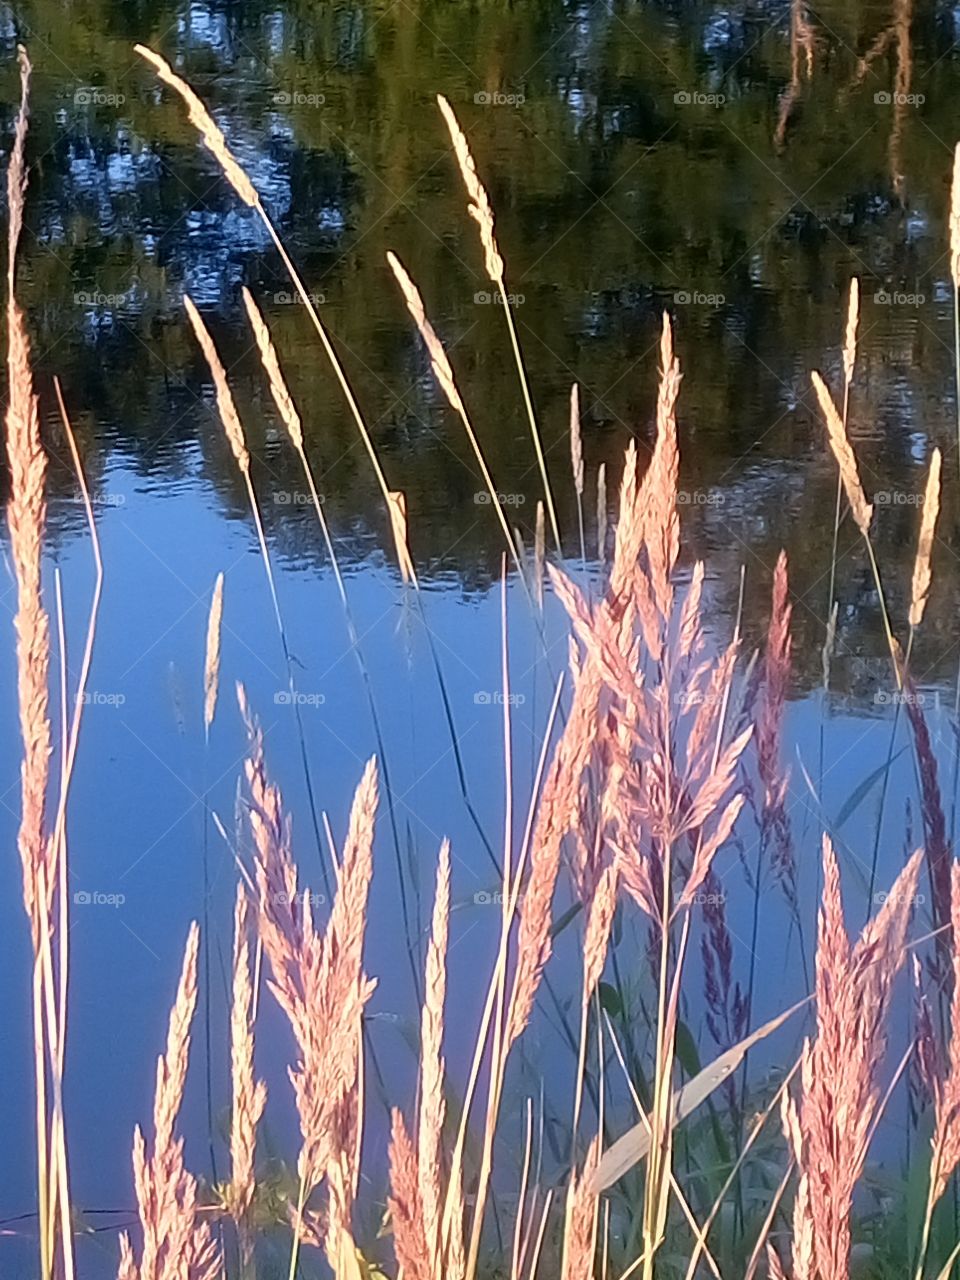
x=290, y=418
x=861, y=510
x=213, y=138
x=481, y=211
x=230, y=420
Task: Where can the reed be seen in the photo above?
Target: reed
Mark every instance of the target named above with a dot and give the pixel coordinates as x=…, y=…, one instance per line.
x=480, y=209
x=249, y=1094
x=640, y=786
x=42, y=850
x=443, y=372
x=177, y=1241
x=233, y=430
x=290, y=419
x=860, y=508
x=576, y=463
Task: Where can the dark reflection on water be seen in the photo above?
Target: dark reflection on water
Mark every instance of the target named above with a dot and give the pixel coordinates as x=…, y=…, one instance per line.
x=615, y=196
x=672, y=156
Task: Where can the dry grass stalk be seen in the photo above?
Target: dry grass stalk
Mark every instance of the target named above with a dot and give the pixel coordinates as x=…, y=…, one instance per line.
x=271, y=367
x=26, y=517
x=775, y=823
x=602, y=513
x=317, y=976
x=405, y=1205
x=432, y=1101
x=850, y=336
x=211, y=666
x=177, y=1242
x=225, y=403
x=479, y=207
x=249, y=1094
x=580, y=1222
x=597, y=936
x=211, y=134
x=209, y=130
x=42, y=853
x=576, y=440
x=846, y=461
x=955, y=220
x=539, y=555
x=576, y=462
x=397, y=500
x=942, y=1079
x=840, y=1070
x=481, y=211
x=928, y=523
x=443, y=372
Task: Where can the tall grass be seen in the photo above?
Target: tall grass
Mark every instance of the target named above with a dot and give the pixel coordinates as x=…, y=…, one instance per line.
x=644, y=780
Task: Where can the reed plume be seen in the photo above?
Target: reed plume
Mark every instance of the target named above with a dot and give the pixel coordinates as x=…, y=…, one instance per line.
x=846, y=461
x=840, y=1096
x=443, y=372
x=317, y=975
x=226, y=407
x=213, y=137
x=233, y=430
x=775, y=823
x=479, y=207
x=249, y=1094
x=432, y=1101
x=850, y=334
x=271, y=367
x=211, y=666
x=481, y=211
x=397, y=507
x=580, y=1222
x=42, y=852
x=406, y=1206
x=177, y=1242
x=602, y=513
x=26, y=517
x=920, y=587
x=209, y=130
x=955, y=220
x=576, y=461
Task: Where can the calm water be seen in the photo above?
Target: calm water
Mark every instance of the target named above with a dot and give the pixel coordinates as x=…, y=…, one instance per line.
x=638, y=158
